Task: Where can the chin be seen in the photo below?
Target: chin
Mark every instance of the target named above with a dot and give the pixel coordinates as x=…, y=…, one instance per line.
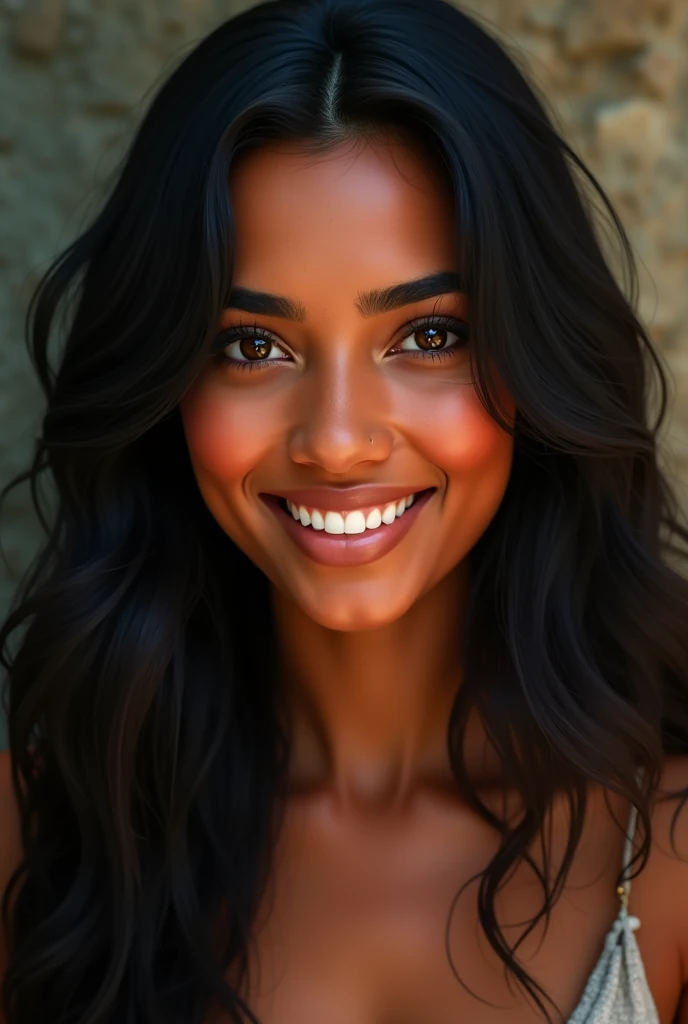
x=354, y=614
x=351, y=620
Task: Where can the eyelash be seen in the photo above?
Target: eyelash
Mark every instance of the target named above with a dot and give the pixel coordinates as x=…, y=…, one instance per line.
x=231, y=334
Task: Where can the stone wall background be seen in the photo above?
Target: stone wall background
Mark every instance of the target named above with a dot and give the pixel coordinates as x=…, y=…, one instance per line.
x=74, y=80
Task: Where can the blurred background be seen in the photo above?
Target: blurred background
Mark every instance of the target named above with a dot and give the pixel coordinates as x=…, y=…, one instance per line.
x=75, y=78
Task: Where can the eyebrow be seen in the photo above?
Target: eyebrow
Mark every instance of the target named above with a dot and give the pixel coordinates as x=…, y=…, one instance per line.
x=371, y=303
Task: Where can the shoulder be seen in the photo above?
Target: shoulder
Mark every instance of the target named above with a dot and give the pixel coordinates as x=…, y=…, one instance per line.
x=670, y=818
x=659, y=895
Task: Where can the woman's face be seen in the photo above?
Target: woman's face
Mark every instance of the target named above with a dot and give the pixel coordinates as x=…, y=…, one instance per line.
x=342, y=385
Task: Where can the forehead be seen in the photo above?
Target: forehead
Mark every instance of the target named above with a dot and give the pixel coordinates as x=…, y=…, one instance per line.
x=361, y=215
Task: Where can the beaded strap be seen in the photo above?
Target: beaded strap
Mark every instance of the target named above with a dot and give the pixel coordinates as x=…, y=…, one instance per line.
x=623, y=891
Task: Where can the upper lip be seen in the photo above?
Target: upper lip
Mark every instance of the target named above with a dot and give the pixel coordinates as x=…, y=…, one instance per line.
x=345, y=499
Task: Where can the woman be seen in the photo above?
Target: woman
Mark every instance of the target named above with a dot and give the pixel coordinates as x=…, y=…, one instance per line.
x=353, y=681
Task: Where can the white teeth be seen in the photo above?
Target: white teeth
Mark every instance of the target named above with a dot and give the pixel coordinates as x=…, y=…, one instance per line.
x=374, y=519
x=351, y=522
x=389, y=514
x=355, y=523
x=334, y=523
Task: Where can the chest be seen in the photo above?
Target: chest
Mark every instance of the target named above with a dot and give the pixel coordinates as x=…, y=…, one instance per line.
x=364, y=927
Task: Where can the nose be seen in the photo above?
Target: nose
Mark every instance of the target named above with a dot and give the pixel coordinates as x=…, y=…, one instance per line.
x=341, y=416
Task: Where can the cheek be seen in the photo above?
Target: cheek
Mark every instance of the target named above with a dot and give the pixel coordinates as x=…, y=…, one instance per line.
x=226, y=436
x=459, y=436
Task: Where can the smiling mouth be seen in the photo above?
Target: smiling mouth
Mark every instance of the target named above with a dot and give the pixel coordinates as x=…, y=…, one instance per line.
x=353, y=536
x=353, y=522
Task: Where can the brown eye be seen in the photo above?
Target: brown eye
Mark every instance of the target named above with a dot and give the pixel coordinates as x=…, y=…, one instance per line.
x=235, y=347
x=430, y=338
x=255, y=348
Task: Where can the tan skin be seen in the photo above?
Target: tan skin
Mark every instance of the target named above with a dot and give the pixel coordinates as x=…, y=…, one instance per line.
x=376, y=841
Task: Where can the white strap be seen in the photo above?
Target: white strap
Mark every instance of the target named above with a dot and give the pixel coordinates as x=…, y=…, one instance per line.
x=628, y=844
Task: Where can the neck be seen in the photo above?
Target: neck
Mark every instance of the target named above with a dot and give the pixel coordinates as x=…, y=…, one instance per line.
x=369, y=709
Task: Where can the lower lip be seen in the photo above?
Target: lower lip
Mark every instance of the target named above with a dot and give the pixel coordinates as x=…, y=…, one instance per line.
x=348, y=549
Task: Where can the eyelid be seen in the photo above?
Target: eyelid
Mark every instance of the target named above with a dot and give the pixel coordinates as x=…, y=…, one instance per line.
x=235, y=332
x=455, y=323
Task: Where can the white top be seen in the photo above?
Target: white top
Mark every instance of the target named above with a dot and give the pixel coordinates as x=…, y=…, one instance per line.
x=617, y=991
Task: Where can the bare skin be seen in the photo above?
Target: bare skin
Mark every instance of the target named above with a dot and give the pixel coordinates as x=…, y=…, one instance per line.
x=369, y=648
x=376, y=841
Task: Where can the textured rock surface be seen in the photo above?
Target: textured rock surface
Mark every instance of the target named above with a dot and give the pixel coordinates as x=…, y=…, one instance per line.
x=74, y=75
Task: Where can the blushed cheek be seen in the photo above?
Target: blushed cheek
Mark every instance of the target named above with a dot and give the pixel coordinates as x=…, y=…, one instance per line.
x=225, y=436
x=459, y=435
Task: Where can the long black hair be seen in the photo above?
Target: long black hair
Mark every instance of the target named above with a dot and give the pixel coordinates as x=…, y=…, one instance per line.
x=147, y=750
